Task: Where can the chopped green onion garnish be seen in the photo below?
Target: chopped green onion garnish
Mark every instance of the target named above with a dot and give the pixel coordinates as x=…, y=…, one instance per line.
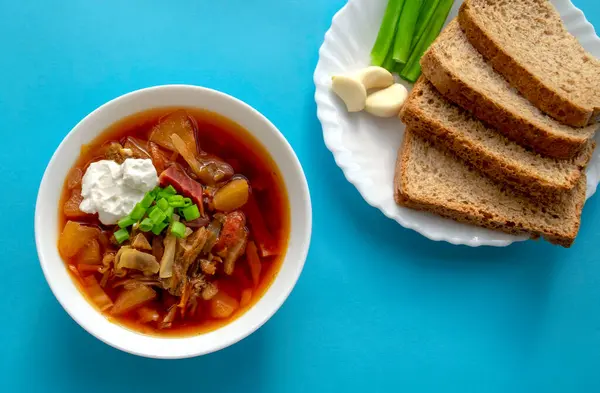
x=148, y=199
x=121, y=235
x=163, y=204
x=157, y=216
x=176, y=201
x=158, y=228
x=187, y=202
x=151, y=209
x=125, y=222
x=155, y=191
x=146, y=225
x=191, y=212
x=170, y=190
x=163, y=194
x=138, y=212
x=178, y=229
x=169, y=213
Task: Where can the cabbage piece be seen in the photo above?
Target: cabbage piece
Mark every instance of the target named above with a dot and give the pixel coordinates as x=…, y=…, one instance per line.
x=167, y=321
x=158, y=249
x=160, y=160
x=209, y=170
x=130, y=283
x=214, y=229
x=71, y=206
x=141, y=243
x=96, y=293
x=138, y=150
x=166, y=263
x=130, y=258
x=253, y=262
x=267, y=244
x=177, y=123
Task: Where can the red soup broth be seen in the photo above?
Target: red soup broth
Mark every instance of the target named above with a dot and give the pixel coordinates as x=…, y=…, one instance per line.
x=230, y=142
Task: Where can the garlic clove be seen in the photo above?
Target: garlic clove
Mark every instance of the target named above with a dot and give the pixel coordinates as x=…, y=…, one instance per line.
x=387, y=102
x=374, y=77
x=351, y=91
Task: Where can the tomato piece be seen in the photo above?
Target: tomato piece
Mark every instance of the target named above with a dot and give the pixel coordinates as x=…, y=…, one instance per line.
x=232, y=231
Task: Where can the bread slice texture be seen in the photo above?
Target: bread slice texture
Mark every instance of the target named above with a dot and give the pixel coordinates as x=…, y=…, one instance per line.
x=430, y=179
x=463, y=76
x=526, y=42
x=434, y=118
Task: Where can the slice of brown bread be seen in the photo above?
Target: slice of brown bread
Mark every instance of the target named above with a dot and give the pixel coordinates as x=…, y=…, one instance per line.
x=433, y=180
x=463, y=76
x=431, y=116
x=526, y=42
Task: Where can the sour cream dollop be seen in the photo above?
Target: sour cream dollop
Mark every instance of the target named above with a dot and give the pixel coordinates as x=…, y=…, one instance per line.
x=112, y=190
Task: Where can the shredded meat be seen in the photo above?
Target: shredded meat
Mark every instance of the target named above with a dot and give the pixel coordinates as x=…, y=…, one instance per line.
x=198, y=282
x=189, y=249
x=210, y=290
x=231, y=233
x=208, y=267
x=115, y=152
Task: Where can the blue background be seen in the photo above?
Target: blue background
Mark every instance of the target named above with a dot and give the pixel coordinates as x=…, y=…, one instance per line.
x=377, y=307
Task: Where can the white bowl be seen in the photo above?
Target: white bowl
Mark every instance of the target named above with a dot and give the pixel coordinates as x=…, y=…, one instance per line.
x=47, y=209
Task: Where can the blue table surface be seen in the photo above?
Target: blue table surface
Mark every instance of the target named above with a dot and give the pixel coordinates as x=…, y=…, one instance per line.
x=377, y=308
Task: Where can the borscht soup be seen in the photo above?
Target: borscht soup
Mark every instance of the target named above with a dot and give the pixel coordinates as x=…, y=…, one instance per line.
x=174, y=221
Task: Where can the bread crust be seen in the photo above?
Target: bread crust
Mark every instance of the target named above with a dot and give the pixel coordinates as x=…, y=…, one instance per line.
x=513, y=125
x=496, y=168
x=530, y=85
x=476, y=216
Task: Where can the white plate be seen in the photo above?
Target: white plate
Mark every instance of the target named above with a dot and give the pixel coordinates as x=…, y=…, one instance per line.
x=365, y=147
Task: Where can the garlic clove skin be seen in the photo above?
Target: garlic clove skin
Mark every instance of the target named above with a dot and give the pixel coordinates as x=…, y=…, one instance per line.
x=387, y=102
x=351, y=91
